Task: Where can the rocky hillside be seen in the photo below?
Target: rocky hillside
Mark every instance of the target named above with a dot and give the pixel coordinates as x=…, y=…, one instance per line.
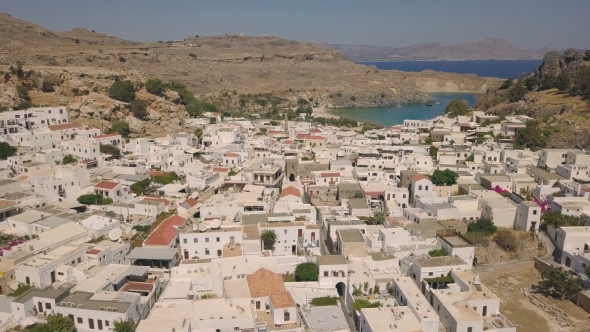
x=224, y=70
x=556, y=96
x=486, y=49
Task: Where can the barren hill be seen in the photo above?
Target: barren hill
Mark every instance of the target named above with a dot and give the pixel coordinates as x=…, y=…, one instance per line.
x=486, y=49
x=87, y=62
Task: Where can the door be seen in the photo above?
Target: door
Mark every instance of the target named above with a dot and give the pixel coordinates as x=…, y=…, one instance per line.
x=257, y=305
x=99, y=324
x=27, y=280
x=39, y=307
x=312, y=237
x=219, y=254
x=91, y=323
x=485, y=311
x=52, y=274
x=185, y=254
x=293, y=249
x=300, y=233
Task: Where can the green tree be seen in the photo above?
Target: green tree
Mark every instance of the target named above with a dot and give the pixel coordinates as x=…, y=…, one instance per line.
x=22, y=92
x=563, y=82
x=560, y=282
x=155, y=86
x=532, y=136
x=482, y=226
x=379, y=217
x=507, y=84
x=557, y=219
x=516, y=92
x=139, y=109
x=547, y=82
x=268, y=237
x=124, y=326
x=55, y=323
x=121, y=127
x=444, y=178
x=582, y=81
x=199, y=133
x=471, y=158
x=122, y=91
x=90, y=199
x=306, y=272
x=428, y=140
x=433, y=151
x=69, y=159
x=110, y=150
x=139, y=187
x=362, y=303
x=7, y=150
x=20, y=290
x=440, y=252
x=531, y=82
x=166, y=178
x=456, y=108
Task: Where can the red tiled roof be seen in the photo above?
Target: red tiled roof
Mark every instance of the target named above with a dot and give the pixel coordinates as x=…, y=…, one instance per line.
x=106, y=135
x=231, y=154
x=316, y=130
x=163, y=200
x=166, y=233
x=374, y=194
x=94, y=252
x=302, y=136
x=106, y=185
x=288, y=141
x=264, y=283
x=272, y=132
x=221, y=169
x=329, y=175
x=291, y=191
x=191, y=201
x=419, y=177
x=316, y=138
x=64, y=126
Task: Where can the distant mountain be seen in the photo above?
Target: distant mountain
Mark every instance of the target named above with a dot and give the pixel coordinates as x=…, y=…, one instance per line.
x=486, y=49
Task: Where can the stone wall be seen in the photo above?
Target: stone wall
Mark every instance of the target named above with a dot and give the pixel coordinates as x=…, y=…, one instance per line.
x=584, y=300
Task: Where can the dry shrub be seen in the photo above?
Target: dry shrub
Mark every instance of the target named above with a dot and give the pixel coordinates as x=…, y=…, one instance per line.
x=506, y=240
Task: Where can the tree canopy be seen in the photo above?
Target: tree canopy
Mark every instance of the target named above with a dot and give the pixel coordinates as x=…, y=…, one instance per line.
x=306, y=272
x=532, y=136
x=124, y=326
x=165, y=178
x=110, y=149
x=444, y=178
x=557, y=219
x=482, y=226
x=560, y=282
x=69, y=159
x=121, y=127
x=517, y=92
x=456, y=108
x=139, y=109
x=155, y=86
x=122, y=91
x=94, y=199
x=7, y=150
x=55, y=323
x=268, y=237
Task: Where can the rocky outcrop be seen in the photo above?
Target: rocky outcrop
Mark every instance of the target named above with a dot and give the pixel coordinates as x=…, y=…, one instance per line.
x=555, y=63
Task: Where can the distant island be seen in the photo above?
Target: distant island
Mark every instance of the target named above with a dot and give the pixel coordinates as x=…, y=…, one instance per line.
x=486, y=49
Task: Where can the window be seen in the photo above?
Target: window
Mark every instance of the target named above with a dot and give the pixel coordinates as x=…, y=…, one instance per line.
x=325, y=273
x=236, y=328
x=195, y=240
x=80, y=320
x=48, y=306
x=206, y=251
x=285, y=232
x=470, y=329
x=419, y=187
x=206, y=239
x=534, y=212
x=287, y=316
x=429, y=274
x=217, y=239
x=184, y=240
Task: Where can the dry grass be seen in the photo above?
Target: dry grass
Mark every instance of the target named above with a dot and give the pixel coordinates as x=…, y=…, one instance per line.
x=508, y=286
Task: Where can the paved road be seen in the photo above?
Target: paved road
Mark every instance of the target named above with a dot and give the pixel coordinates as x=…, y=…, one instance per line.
x=549, y=256
x=347, y=315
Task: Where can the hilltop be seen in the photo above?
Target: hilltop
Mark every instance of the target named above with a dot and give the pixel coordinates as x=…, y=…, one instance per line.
x=228, y=71
x=486, y=49
x=556, y=96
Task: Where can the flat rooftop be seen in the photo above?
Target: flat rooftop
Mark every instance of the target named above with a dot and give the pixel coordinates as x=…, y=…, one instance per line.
x=351, y=235
x=439, y=261
x=332, y=260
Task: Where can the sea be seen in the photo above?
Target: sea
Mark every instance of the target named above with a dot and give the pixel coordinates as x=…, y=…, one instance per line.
x=392, y=115
x=483, y=68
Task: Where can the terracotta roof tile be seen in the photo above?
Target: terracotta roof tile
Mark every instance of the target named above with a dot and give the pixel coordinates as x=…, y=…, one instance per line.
x=232, y=155
x=419, y=177
x=163, y=200
x=316, y=138
x=106, y=185
x=166, y=233
x=94, y=251
x=330, y=175
x=221, y=169
x=64, y=126
x=264, y=283
x=291, y=191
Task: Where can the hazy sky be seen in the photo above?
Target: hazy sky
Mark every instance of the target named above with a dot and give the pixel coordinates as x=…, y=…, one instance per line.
x=528, y=23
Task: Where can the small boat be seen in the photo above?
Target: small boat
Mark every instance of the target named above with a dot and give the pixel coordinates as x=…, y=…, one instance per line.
x=437, y=103
x=399, y=106
x=428, y=104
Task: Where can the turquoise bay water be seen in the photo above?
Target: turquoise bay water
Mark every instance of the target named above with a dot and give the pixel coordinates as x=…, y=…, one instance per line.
x=393, y=115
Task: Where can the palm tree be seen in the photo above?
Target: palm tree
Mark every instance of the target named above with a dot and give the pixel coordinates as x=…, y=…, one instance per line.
x=379, y=217
x=124, y=326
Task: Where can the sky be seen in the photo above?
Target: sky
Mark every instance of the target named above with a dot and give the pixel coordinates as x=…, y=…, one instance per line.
x=530, y=24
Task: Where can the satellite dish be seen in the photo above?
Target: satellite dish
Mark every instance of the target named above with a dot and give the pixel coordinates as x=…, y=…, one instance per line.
x=202, y=227
x=134, y=231
x=195, y=227
x=340, y=153
x=115, y=234
x=215, y=223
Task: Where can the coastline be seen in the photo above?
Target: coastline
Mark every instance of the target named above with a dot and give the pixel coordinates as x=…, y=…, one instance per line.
x=439, y=60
